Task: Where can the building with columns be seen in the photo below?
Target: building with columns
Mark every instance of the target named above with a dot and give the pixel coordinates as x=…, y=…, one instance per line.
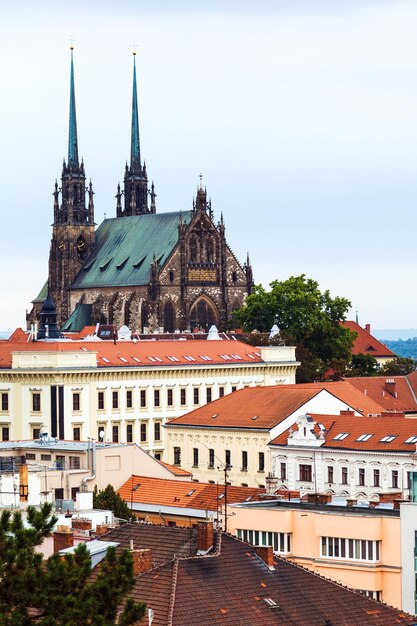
x=141, y=268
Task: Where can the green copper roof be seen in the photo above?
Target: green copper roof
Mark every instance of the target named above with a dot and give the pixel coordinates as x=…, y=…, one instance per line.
x=72, y=135
x=134, y=141
x=125, y=249
x=42, y=294
x=79, y=318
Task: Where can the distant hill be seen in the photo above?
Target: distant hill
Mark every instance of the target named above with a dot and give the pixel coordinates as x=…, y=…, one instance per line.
x=406, y=348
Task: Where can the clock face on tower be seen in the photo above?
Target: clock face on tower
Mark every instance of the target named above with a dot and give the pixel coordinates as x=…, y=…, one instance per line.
x=61, y=245
x=81, y=246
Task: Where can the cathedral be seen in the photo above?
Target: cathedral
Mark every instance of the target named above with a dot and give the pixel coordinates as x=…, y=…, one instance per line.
x=147, y=270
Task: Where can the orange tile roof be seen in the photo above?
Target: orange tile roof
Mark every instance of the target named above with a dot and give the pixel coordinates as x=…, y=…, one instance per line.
x=269, y=405
x=177, y=471
x=396, y=425
x=365, y=343
x=141, y=353
x=374, y=388
x=180, y=494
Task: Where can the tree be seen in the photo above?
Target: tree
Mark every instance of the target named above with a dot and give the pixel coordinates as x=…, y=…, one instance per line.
x=400, y=366
x=307, y=317
x=363, y=365
x=59, y=591
x=109, y=499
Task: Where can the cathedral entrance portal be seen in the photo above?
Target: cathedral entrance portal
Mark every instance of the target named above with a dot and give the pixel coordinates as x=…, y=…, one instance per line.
x=203, y=315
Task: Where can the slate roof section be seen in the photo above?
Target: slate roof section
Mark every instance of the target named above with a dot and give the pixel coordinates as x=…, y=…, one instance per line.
x=399, y=426
x=230, y=587
x=125, y=249
x=181, y=494
x=365, y=343
x=142, y=354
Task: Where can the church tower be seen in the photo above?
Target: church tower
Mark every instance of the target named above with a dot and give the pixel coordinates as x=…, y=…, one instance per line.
x=73, y=235
x=135, y=190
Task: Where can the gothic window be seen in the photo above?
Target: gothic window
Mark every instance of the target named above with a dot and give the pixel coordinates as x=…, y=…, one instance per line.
x=169, y=318
x=127, y=313
x=210, y=250
x=143, y=316
x=193, y=250
x=203, y=315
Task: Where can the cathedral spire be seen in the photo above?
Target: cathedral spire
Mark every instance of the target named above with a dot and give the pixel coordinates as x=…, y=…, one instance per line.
x=72, y=136
x=134, y=145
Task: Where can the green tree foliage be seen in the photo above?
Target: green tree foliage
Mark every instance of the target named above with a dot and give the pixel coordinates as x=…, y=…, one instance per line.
x=59, y=591
x=306, y=317
x=109, y=499
x=407, y=347
x=400, y=366
x=363, y=365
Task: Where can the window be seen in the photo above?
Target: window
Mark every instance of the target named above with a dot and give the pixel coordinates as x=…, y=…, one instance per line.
x=129, y=433
x=340, y=436
x=177, y=456
x=211, y=458
x=156, y=397
x=283, y=471
x=143, y=398
x=280, y=542
x=394, y=479
x=129, y=399
x=101, y=431
x=75, y=401
x=143, y=431
x=361, y=477
x=330, y=474
x=364, y=437
x=60, y=462
x=183, y=396
x=344, y=475
x=74, y=462
x=74, y=491
x=195, y=457
x=354, y=549
x=376, y=595
x=5, y=433
x=221, y=392
x=59, y=493
x=157, y=431
x=244, y=461
x=234, y=388
x=4, y=402
x=115, y=433
x=377, y=477
x=228, y=458
x=158, y=456
x=100, y=400
x=36, y=433
x=305, y=473
x=30, y=456
x=196, y=395
x=170, y=397
x=115, y=399
x=412, y=439
x=387, y=438
x=261, y=461
x=46, y=457
x=36, y=402
x=76, y=433
x=208, y=394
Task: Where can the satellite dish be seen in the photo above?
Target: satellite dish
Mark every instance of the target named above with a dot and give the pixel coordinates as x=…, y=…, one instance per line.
x=101, y=434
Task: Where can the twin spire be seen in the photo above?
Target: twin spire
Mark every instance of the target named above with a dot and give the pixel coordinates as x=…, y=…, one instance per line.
x=135, y=190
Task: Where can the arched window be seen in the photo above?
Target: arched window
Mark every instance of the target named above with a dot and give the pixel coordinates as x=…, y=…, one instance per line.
x=203, y=315
x=209, y=250
x=193, y=250
x=169, y=317
x=143, y=316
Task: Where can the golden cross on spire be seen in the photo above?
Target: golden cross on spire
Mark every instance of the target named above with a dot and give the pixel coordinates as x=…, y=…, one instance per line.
x=134, y=48
x=71, y=40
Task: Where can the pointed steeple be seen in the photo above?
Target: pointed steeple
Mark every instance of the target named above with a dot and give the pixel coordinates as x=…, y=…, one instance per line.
x=134, y=140
x=72, y=135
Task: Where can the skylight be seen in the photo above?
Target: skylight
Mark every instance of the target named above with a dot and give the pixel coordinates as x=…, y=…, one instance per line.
x=388, y=438
x=364, y=437
x=189, y=358
x=173, y=359
x=105, y=360
x=135, y=358
x=123, y=359
x=237, y=357
x=190, y=493
x=205, y=357
x=412, y=439
x=340, y=436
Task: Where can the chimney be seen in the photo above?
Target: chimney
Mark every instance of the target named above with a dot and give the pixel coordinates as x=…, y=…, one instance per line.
x=368, y=328
x=390, y=387
x=390, y=497
x=23, y=480
x=318, y=498
x=101, y=529
x=392, y=414
x=205, y=536
x=63, y=538
x=81, y=523
x=142, y=561
x=266, y=553
x=347, y=412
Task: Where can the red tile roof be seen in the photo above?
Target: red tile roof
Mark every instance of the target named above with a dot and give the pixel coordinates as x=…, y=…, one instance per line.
x=177, y=493
x=403, y=397
x=141, y=353
x=365, y=343
x=396, y=425
x=177, y=471
x=265, y=407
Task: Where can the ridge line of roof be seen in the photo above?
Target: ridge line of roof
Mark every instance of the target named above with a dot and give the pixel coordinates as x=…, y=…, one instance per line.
x=170, y=615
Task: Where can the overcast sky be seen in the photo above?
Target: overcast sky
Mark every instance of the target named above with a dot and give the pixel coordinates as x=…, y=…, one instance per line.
x=301, y=115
